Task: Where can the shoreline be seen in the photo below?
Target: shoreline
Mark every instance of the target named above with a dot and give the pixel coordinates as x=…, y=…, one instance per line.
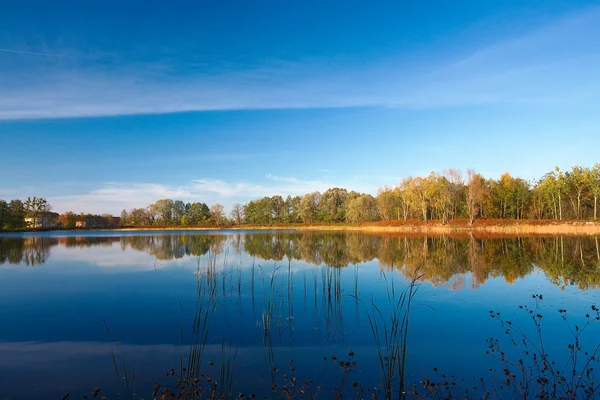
x=412, y=227
x=513, y=228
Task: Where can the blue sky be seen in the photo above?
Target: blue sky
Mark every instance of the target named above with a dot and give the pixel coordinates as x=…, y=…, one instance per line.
x=105, y=105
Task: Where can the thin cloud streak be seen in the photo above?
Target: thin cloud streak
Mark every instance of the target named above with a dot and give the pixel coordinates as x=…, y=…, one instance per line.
x=35, y=53
x=522, y=69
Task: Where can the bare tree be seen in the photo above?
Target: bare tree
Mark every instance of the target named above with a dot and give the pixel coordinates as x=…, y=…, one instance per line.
x=36, y=209
x=237, y=213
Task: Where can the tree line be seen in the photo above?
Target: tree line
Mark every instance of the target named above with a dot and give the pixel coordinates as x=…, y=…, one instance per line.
x=34, y=212
x=444, y=196
x=167, y=212
x=558, y=195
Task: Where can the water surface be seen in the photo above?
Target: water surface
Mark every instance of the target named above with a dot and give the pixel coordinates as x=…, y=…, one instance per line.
x=70, y=300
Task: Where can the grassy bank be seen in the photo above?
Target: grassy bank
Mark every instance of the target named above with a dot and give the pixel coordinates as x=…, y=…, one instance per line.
x=457, y=226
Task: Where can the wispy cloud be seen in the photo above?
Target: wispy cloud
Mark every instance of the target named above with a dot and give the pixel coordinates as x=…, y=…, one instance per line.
x=115, y=196
x=282, y=178
x=35, y=53
x=553, y=62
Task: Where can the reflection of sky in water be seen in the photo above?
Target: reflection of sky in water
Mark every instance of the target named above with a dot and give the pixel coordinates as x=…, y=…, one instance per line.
x=52, y=331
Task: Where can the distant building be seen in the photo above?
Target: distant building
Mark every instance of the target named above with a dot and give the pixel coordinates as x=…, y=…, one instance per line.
x=81, y=223
x=44, y=220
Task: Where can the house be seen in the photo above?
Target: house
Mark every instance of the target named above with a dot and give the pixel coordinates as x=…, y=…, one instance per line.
x=43, y=220
x=81, y=223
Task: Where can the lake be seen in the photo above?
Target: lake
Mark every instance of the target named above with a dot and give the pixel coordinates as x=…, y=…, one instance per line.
x=254, y=309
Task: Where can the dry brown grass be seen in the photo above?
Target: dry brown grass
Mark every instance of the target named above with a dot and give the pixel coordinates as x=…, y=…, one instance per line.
x=481, y=227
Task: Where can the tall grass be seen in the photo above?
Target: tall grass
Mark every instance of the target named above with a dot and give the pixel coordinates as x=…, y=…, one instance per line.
x=390, y=331
x=206, y=304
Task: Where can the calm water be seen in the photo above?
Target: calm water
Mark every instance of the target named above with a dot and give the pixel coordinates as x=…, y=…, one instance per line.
x=277, y=296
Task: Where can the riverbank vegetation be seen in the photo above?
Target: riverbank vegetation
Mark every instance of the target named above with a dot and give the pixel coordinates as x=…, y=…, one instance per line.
x=447, y=198
x=444, y=197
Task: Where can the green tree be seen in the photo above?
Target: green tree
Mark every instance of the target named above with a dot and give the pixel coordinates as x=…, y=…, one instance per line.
x=291, y=209
x=198, y=213
x=124, y=218
x=522, y=197
x=4, y=214
x=331, y=205
x=16, y=215
x=309, y=207
x=259, y=211
x=593, y=182
x=178, y=211
x=277, y=204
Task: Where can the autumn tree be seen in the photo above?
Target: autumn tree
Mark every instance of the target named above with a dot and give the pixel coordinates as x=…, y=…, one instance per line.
x=404, y=195
x=162, y=211
x=419, y=195
x=576, y=182
x=440, y=192
x=309, y=207
x=140, y=217
x=216, y=214
x=559, y=187
x=593, y=182
x=388, y=203
x=362, y=209
x=67, y=220
x=476, y=193
x=457, y=190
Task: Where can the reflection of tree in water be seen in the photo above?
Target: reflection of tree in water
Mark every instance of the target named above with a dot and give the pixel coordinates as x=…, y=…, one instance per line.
x=88, y=241
x=569, y=260
x=168, y=247
x=441, y=260
x=333, y=249
x=30, y=251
